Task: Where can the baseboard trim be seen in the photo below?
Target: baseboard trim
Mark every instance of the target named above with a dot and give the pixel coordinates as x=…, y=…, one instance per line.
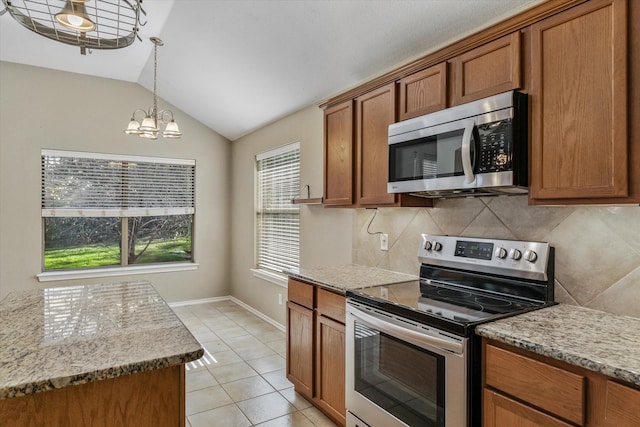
x=198, y=301
x=244, y=305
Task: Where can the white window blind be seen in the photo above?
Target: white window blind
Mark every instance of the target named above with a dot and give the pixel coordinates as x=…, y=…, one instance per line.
x=89, y=185
x=278, y=220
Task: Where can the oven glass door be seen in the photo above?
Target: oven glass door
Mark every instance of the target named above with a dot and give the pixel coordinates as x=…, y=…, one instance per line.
x=403, y=373
x=405, y=380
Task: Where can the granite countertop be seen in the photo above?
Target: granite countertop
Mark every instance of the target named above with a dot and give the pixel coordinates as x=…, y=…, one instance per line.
x=350, y=276
x=595, y=340
x=57, y=337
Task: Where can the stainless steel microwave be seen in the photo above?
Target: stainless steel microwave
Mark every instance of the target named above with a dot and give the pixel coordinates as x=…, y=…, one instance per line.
x=479, y=148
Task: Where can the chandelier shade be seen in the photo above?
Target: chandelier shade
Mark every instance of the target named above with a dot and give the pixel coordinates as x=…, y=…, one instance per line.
x=89, y=24
x=149, y=129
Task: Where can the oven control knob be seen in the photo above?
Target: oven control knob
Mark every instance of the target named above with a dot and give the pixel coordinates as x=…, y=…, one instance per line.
x=530, y=255
x=437, y=246
x=427, y=245
x=501, y=253
x=515, y=254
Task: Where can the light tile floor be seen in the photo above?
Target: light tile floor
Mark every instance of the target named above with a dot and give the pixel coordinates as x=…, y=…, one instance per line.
x=241, y=380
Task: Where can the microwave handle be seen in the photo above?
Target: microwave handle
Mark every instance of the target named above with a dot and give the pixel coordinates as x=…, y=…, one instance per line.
x=467, y=167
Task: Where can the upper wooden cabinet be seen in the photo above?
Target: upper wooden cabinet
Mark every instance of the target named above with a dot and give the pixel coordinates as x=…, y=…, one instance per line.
x=579, y=141
x=492, y=68
x=356, y=171
x=423, y=92
x=338, y=154
x=579, y=61
x=375, y=111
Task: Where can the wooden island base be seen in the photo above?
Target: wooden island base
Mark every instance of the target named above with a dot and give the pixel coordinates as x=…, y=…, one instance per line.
x=152, y=398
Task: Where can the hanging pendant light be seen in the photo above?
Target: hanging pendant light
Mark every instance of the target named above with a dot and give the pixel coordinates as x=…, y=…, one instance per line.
x=89, y=24
x=74, y=16
x=152, y=117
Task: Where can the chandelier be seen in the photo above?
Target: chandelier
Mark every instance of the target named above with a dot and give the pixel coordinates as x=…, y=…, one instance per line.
x=149, y=127
x=89, y=24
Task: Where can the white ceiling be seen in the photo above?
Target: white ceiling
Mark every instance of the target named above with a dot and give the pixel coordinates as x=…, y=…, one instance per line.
x=237, y=65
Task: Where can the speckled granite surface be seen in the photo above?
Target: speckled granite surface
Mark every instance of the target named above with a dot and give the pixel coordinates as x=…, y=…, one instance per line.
x=594, y=340
x=349, y=276
x=56, y=337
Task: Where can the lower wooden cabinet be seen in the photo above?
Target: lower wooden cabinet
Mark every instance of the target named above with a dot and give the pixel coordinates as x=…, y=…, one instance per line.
x=330, y=366
x=524, y=389
x=149, y=398
x=499, y=410
x=300, y=348
x=622, y=406
x=316, y=347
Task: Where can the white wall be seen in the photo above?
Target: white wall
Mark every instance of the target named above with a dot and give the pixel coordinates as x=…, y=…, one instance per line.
x=42, y=108
x=325, y=234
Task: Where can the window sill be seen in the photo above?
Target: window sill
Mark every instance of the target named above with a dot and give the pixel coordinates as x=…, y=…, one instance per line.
x=50, y=276
x=276, y=278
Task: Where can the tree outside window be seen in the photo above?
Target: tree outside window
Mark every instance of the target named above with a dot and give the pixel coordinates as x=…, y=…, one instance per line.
x=110, y=210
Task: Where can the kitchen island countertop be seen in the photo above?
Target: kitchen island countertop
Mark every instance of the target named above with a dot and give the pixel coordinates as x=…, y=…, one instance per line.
x=56, y=337
x=349, y=276
x=595, y=340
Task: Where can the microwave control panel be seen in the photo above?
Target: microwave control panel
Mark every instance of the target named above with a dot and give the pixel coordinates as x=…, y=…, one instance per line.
x=494, y=146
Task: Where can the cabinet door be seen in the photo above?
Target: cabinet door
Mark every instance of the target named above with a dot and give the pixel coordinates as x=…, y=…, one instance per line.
x=490, y=69
x=338, y=154
x=423, y=92
x=500, y=411
x=623, y=406
x=579, y=143
x=300, y=348
x=330, y=368
x=547, y=387
x=375, y=111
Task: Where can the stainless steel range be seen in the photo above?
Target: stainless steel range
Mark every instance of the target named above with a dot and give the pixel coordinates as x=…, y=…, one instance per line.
x=412, y=356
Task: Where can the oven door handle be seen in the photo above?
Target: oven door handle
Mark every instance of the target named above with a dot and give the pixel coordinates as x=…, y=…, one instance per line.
x=467, y=167
x=407, y=334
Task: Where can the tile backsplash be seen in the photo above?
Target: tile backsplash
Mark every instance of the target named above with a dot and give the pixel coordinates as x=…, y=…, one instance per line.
x=597, y=248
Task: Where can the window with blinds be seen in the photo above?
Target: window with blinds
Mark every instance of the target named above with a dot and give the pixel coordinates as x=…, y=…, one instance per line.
x=106, y=209
x=277, y=219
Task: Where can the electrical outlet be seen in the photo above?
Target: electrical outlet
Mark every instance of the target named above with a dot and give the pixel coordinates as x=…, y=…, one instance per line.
x=384, y=242
x=279, y=299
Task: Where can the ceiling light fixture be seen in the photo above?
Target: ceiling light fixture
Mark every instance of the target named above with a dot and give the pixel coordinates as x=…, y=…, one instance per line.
x=89, y=24
x=149, y=127
x=74, y=16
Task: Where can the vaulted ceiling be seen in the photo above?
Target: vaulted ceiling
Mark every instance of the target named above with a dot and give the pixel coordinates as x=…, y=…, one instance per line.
x=237, y=65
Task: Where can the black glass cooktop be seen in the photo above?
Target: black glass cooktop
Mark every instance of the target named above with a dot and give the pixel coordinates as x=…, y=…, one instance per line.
x=453, y=308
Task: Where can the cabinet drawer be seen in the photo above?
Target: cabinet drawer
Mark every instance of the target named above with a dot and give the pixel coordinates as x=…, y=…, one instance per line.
x=331, y=305
x=623, y=404
x=500, y=411
x=301, y=293
x=549, y=388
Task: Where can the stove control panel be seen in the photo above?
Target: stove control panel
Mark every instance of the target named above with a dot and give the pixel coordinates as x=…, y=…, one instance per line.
x=507, y=257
